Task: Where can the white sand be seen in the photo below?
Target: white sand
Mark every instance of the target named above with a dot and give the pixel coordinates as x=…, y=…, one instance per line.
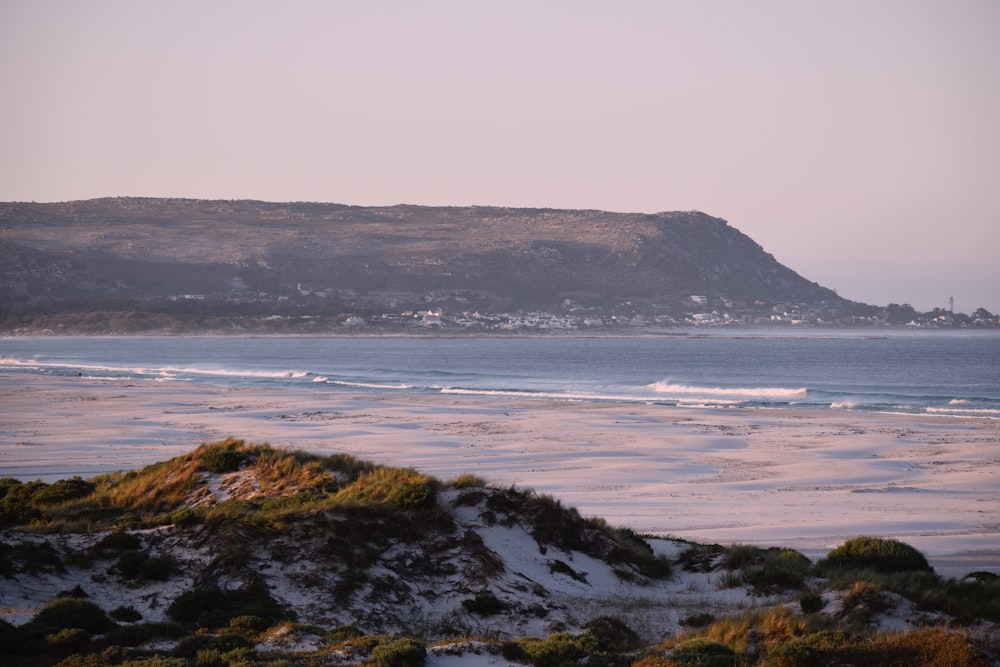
x=803, y=479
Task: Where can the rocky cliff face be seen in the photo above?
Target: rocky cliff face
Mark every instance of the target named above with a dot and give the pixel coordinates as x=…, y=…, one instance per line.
x=155, y=248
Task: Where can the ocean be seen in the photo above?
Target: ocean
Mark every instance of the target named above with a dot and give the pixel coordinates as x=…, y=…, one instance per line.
x=915, y=372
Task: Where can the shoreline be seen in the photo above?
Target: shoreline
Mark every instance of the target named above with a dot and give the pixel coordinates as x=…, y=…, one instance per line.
x=807, y=479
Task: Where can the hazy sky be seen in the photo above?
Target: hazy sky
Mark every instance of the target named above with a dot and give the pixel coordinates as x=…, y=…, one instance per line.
x=856, y=140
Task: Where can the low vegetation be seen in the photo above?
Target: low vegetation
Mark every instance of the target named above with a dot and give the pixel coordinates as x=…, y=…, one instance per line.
x=371, y=532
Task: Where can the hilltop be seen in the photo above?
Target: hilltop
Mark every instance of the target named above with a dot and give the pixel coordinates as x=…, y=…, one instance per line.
x=177, y=259
x=240, y=554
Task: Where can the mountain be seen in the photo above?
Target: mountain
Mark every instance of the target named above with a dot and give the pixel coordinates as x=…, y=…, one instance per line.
x=87, y=252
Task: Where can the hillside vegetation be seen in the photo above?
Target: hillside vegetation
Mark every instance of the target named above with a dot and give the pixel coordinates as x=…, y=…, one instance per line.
x=238, y=554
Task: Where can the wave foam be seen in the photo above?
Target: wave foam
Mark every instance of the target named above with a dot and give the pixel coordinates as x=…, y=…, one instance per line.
x=744, y=392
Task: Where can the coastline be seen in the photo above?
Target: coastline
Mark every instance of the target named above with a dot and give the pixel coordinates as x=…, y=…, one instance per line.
x=807, y=479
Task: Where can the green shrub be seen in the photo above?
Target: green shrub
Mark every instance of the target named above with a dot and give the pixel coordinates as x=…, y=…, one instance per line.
x=212, y=607
x=405, y=652
x=16, y=502
x=795, y=652
x=402, y=487
x=226, y=456
x=559, y=649
x=74, y=613
x=874, y=553
x=68, y=639
x=704, y=653
x=63, y=490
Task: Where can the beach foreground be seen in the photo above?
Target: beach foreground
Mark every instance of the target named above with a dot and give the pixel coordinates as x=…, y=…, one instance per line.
x=803, y=479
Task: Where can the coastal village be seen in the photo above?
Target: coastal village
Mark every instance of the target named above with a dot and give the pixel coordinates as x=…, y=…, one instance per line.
x=456, y=313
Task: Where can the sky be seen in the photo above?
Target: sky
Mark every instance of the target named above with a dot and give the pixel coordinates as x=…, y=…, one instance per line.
x=858, y=141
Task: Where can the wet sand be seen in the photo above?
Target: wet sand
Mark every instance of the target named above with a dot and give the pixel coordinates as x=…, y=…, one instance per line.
x=805, y=479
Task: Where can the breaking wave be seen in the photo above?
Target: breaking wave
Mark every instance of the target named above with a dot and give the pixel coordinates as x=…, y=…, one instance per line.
x=664, y=387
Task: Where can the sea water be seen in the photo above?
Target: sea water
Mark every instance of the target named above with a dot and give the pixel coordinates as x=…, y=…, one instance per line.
x=926, y=372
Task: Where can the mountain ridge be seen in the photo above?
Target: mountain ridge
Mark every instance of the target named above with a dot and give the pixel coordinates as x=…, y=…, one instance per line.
x=152, y=248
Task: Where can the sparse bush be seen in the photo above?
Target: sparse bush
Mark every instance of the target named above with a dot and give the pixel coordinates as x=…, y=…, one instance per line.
x=864, y=601
x=700, y=557
x=874, y=553
x=405, y=652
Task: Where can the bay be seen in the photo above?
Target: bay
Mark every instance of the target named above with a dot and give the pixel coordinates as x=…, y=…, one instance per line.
x=920, y=372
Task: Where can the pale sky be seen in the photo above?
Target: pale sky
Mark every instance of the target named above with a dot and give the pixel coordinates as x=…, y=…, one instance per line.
x=858, y=141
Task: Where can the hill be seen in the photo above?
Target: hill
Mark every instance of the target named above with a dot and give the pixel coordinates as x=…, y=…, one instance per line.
x=342, y=259
x=236, y=554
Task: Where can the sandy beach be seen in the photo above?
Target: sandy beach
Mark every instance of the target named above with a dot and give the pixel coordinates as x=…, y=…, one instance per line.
x=805, y=479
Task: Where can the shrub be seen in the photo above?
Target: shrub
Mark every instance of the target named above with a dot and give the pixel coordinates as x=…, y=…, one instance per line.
x=704, y=653
x=63, y=490
x=612, y=634
x=796, y=652
x=405, y=652
x=125, y=614
x=810, y=602
x=213, y=607
x=403, y=487
x=559, y=649
x=700, y=620
x=468, y=481
x=484, y=604
x=226, y=456
x=140, y=565
x=74, y=613
x=864, y=601
x=700, y=557
x=874, y=553
x=115, y=543
x=141, y=633
x=925, y=647
x=68, y=639
x=194, y=645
